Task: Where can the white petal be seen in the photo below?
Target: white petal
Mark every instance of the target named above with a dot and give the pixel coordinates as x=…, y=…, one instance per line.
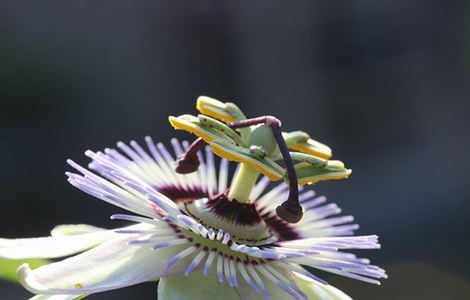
x=57, y=297
x=312, y=289
x=65, y=240
x=315, y=290
x=195, y=286
x=111, y=265
x=73, y=229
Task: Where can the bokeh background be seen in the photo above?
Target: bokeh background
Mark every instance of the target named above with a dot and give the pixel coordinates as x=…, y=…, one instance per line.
x=384, y=83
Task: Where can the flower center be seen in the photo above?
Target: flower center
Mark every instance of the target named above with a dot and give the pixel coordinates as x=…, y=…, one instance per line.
x=241, y=220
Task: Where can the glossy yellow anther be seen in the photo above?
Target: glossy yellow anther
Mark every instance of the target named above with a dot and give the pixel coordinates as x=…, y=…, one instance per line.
x=265, y=166
x=334, y=170
x=214, y=108
x=313, y=147
x=192, y=124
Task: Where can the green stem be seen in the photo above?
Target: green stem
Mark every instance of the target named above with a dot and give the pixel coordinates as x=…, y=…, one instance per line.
x=243, y=183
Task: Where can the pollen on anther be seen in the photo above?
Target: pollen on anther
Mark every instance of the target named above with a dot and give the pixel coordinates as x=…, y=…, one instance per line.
x=78, y=286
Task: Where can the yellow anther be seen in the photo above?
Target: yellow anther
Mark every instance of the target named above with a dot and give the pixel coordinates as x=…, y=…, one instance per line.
x=191, y=124
x=314, y=148
x=310, y=159
x=78, y=286
x=265, y=166
x=214, y=108
x=334, y=170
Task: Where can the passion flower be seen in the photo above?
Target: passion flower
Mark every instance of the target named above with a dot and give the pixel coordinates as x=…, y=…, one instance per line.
x=199, y=237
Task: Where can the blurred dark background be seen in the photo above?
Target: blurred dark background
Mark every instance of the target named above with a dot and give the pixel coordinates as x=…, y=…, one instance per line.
x=384, y=83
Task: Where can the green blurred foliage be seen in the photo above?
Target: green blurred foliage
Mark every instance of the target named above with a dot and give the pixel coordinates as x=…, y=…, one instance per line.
x=8, y=267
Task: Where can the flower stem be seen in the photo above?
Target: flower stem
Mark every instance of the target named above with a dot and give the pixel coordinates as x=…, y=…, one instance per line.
x=243, y=183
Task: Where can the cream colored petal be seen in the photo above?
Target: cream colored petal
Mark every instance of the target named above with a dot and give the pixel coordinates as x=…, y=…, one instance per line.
x=312, y=290
x=195, y=286
x=315, y=290
x=111, y=265
x=57, y=297
x=65, y=240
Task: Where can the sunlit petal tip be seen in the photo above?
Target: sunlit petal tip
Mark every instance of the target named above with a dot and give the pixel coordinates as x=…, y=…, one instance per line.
x=64, y=240
x=58, y=297
x=128, y=265
x=29, y=282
